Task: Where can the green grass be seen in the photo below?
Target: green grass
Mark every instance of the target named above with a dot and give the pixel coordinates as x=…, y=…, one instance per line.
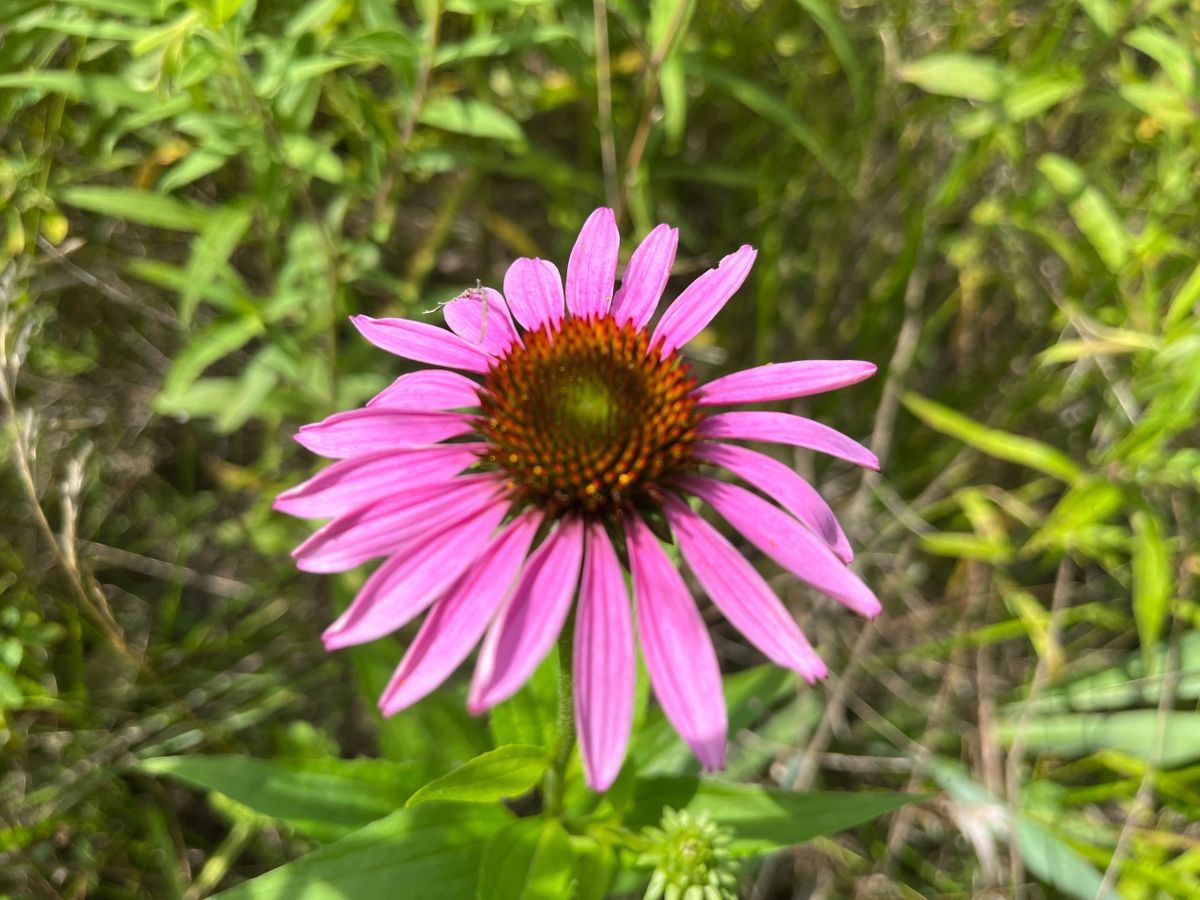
x=995, y=202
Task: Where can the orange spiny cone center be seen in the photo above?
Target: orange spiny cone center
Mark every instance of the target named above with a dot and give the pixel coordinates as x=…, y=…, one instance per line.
x=588, y=418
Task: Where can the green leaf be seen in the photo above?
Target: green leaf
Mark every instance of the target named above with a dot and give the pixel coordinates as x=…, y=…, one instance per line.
x=1136, y=681
x=1091, y=501
x=771, y=108
x=530, y=859
x=321, y=796
x=1132, y=732
x=471, y=117
x=507, y=771
x=428, y=853
x=87, y=88
x=828, y=21
x=142, y=207
x=529, y=716
x=965, y=545
x=1035, y=94
x=1169, y=53
x=1184, y=300
x=210, y=251
x=1000, y=444
x=1047, y=856
x=956, y=75
x=215, y=342
x=749, y=695
x=1152, y=566
x=1089, y=208
x=763, y=819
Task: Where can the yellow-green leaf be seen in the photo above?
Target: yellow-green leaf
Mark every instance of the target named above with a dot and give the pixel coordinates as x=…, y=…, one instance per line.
x=1000, y=444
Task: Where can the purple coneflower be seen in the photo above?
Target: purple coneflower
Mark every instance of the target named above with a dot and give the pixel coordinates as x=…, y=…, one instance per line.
x=575, y=437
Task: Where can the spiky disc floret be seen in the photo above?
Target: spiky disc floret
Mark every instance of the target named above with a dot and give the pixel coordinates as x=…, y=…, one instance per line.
x=587, y=417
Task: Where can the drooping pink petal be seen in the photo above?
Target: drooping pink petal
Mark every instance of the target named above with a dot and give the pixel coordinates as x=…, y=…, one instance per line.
x=781, y=381
x=786, y=541
x=703, y=299
x=784, y=428
x=534, y=291
x=480, y=317
x=402, y=587
x=389, y=525
x=784, y=486
x=741, y=593
x=675, y=645
x=360, y=431
x=645, y=277
x=422, y=342
x=430, y=390
x=530, y=620
x=458, y=620
x=605, y=664
x=592, y=268
x=352, y=483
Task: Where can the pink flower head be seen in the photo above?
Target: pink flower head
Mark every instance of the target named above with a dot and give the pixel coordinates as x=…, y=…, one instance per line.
x=498, y=496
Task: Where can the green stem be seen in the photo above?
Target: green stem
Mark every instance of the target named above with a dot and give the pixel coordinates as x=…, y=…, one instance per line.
x=564, y=728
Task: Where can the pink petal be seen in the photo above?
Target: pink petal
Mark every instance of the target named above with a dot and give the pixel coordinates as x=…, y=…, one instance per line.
x=357, y=432
x=783, y=486
x=423, y=342
x=784, y=428
x=530, y=620
x=592, y=268
x=352, y=483
x=675, y=645
x=703, y=299
x=429, y=390
x=605, y=664
x=534, y=291
x=459, y=618
x=400, y=589
x=786, y=541
x=645, y=277
x=741, y=593
x=480, y=317
x=388, y=525
x=780, y=381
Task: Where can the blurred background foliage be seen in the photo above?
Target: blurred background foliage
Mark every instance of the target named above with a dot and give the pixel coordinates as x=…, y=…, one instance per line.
x=994, y=201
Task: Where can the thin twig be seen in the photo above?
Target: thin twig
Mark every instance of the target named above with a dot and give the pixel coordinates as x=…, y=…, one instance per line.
x=608, y=145
x=91, y=601
x=650, y=92
x=1016, y=748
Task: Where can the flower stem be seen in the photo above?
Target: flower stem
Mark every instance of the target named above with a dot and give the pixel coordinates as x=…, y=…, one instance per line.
x=564, y=728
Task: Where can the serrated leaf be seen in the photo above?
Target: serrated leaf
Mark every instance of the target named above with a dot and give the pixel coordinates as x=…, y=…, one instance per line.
x=530, y=859
x=507, y=771
x=321, y=796
x=956, y=75
x=141, y=207
x=431, y=852
x=1000, y=444
x=470, y=117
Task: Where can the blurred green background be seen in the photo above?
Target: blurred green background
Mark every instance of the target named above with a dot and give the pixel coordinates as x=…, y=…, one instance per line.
x=995, y=201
